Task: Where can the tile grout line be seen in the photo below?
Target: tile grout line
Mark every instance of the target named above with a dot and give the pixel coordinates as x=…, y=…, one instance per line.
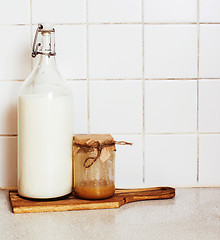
x=169, y=79
x=115, y=23
x=170, y=23
x=198, y=42
x=170, y=133
x=208, y=133
x=141, y=133
x=123, y=79
x=143, y=94
x=87, y=68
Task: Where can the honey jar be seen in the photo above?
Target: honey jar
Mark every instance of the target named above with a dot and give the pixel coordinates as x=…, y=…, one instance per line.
x=94, y=166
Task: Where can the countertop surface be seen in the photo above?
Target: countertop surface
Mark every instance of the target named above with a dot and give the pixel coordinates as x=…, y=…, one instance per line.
x=194, y=213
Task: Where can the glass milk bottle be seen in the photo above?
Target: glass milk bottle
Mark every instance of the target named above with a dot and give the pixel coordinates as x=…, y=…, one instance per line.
x=45, y=117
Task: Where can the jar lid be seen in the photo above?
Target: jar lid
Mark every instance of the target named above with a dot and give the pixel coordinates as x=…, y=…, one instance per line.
x=91, y=139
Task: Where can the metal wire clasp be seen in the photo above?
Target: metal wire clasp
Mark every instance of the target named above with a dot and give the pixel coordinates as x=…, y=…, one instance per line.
x=36, y=45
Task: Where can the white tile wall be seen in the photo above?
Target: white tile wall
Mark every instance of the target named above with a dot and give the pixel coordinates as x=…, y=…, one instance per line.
x=170, y=11
x=170, y=106
x=209, y=106
x=115, y=51
x=15, y=12
x=171, y=160
x=8, y=161
x=209, y=51
x=170, y=51
x=8, y=106
x=209, y=10
x=114, y=11
x=115, y=106
x=146, y=71
x=129, y=162
x=209, y=155
x=71, y=51
x=80, y=108
x=65, y=11
x=15, y=52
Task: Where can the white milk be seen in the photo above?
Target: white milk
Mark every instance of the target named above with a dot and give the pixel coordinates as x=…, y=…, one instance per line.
x=45, y=146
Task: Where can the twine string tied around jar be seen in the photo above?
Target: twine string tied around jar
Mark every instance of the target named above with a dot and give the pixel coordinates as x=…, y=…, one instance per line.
x=96, y=145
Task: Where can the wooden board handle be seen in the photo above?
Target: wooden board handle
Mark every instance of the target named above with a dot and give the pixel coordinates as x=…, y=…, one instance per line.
x=146, y=194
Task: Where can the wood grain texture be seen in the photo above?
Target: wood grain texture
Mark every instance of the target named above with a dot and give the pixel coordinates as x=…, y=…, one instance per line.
x=121, y=196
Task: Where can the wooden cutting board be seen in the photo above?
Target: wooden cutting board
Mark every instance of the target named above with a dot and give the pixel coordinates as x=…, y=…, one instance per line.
x=121, y=196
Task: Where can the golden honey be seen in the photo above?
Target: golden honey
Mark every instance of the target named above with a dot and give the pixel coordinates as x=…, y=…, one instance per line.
x=90, y=191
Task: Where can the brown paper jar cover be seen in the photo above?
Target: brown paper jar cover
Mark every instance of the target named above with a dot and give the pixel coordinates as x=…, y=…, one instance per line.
x=103, y=144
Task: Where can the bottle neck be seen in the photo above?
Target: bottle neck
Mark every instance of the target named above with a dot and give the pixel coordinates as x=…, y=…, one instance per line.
x=45, y=60
x=46, y=51
x=47, y=45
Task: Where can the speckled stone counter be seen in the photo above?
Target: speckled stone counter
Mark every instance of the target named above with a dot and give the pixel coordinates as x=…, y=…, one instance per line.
x=193, y=214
